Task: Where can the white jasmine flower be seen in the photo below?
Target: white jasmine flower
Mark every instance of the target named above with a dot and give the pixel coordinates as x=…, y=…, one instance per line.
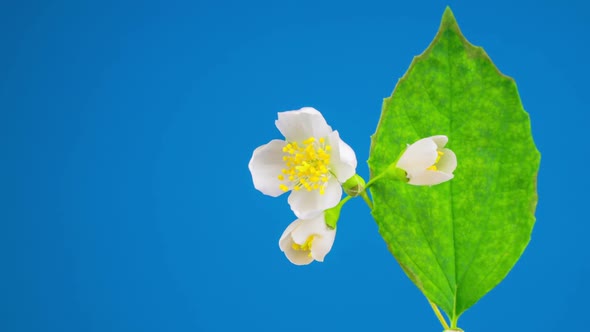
x=427, y=162
x=311, y=162
x=307, y=240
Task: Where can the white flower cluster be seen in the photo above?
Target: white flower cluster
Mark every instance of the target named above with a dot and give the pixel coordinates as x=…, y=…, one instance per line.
x=313, y=163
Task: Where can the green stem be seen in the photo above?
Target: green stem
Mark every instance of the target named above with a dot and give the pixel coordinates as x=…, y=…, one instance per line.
x=373, y=180
x=366, y=199
x=344, y=200
x=454, y=322
x=393, y=173
x=439, y=315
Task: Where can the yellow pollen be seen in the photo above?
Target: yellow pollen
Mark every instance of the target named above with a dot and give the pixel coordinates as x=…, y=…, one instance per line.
x=305, y=246
x=306, y=165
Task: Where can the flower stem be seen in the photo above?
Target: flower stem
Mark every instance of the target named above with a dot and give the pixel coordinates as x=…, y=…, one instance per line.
x=391, y=172
x=438, y=315
x=367, y=199
x=373, y=180
x=344, y=200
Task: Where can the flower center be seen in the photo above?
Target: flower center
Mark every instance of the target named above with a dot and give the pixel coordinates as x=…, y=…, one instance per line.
x=306, y=246
x=433, y=167
x=306, y=166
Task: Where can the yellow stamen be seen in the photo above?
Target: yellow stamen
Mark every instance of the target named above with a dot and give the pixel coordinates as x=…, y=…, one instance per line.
x=433, y=167
x=306, y=165
x=305, y=246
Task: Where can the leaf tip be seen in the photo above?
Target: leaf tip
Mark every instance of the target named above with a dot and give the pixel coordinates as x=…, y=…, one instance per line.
x=448, y=16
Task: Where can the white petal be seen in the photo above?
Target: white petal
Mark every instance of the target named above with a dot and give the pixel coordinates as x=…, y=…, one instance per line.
x=309, y=227
x=296, y=257
x=322, y=245
x=440, y=140
x=342, y=159
x=429, y=178
x=418, y=156
x=266, y=165
x=323, y=236
x=302, y=124
x=308, y=204
x=286, y=240
x=447, y=162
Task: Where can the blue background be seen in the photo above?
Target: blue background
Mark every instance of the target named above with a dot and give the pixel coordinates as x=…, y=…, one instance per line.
x=126, y=129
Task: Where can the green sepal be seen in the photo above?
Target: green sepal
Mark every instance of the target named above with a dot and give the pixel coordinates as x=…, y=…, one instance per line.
x=332, y=215
x=393, y=172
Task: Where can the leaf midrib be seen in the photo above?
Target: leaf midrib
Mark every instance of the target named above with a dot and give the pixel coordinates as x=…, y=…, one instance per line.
x=454, y=314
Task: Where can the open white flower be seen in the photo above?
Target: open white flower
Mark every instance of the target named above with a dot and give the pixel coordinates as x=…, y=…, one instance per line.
x=312, y=162
x=428, y=162
x=307, y=240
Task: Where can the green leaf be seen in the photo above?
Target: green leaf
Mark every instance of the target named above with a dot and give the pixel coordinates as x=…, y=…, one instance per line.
x=457, y=240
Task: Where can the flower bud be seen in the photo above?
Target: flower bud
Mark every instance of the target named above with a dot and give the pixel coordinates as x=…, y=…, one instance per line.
x=354, y=186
